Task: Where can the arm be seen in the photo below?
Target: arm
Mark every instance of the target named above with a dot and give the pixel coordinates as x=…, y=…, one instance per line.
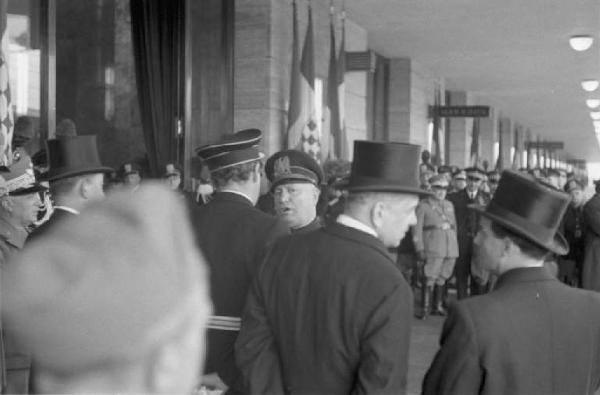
x=255, y=349
x=455, y=369
x=384, y=345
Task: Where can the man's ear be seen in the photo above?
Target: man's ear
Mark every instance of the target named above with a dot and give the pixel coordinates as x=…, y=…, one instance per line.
x=84, y=187
x=377, y=213
x=6, y=203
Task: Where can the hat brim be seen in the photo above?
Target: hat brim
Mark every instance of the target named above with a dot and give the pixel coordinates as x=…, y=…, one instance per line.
x=558, y=245
x=60, y=173
x=388, y=188
x=35, y=188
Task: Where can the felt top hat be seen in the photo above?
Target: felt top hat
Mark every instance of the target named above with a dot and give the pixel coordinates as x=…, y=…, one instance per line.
x=385, y=167
x=530, y=209
x=74, y=156
x=234, y=149
x=293, y=166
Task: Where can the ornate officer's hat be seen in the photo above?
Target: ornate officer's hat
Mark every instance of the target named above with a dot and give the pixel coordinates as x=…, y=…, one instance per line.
x=293, y=166
x=438, y=181
x=18, y=178
x=475, y=172
x=459, y=175
x=234, y=149
x=529, y=209
x=385, y=167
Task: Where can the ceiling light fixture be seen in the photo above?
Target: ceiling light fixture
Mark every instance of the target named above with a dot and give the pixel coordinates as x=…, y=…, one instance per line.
x=593, y=103
x=581, y=42
x=590, y=85
x=595, y=115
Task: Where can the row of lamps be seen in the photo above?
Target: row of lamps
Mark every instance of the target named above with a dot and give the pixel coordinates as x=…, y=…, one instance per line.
x=583, y=43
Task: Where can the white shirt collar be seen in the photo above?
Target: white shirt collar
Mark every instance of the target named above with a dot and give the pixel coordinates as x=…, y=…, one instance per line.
x=67, y=209
x=237, y=193
x=350, y=222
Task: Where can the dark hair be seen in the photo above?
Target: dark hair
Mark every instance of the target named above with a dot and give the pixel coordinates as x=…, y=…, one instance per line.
x=237, y=173
x=527, y=247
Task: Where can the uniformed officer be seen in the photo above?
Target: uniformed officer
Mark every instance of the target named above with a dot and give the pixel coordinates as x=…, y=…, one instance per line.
x=570, y=266
x=112, y=301
x=459, y=181
x=434, y=237
x=329, y=312
x=234, y=237
x=493, y=177
x=19, y=206
x=466, y=221
x=131, y=176
x=295, y=184
x=531, y=335
x=76, y=178
x=172, y=176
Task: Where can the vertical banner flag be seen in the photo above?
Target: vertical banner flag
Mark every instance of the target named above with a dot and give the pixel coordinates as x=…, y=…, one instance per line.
x=500, y=160
x=342, y=141
x=6, y=110
x=292, y=137
x=303, y=132
x=436, y=149
x=516, y=160
x=475, y=143
x=335, y=94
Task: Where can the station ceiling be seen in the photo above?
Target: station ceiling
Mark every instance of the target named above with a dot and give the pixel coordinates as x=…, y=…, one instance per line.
x=513, y=54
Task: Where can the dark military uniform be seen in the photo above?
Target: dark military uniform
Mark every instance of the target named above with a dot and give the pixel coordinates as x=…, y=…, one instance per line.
x=314, y=225
x=327, y=315
x=466, y=225
x=233, y=236
x=531, y=335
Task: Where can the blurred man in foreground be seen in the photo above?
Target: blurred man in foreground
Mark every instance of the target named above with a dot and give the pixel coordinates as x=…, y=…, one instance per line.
x=114, y=300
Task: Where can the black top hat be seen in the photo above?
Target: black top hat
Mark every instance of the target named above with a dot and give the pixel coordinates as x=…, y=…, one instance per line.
x=234, y=149
x=385, y=167
x=529, y=209
x=293, y=166
x=74, y=156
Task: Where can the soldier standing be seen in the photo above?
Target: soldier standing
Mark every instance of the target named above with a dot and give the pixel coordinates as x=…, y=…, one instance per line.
x=434, y=237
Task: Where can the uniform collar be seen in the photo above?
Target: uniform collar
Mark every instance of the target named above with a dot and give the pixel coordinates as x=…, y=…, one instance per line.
x=313, y=225
x=12, y=235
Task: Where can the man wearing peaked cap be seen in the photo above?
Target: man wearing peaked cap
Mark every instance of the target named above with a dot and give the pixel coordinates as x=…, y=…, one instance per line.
x=329, y=312
x=19, y=206
x=459, y=181
x=493, y=177
x=130, y=175
x=172, y=176
x=113, y=301
x=532, y=334
x=295, y=179
x=466, y=227
x=234, y=237
x=76, y=178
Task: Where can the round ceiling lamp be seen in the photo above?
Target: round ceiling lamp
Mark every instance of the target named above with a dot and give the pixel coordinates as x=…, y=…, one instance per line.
x=581, y=42
x=590, y=85
x=593, y=103
x=595, y=115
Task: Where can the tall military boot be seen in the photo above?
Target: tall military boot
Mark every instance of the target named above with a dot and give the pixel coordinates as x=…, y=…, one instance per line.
x=438, y=295
x=425, y=300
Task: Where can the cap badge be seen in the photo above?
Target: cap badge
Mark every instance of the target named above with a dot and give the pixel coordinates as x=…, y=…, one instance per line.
x=282, y=167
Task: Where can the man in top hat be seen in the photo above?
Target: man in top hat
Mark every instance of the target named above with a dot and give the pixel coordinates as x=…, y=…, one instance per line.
x=76, y=178
x=434, y=237
x=573, y=226
x=328, y=312
x=234, y=237
x=531, y=334
x=113, y=301
x=466, y=221
x=19, y=206
x=590, y=276
x=172, y=176
x=295, y=179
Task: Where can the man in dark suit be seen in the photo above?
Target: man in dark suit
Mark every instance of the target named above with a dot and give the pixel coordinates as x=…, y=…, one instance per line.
x=590, y=276
x=466, y=227
x=532, y=334
x=76, y=178
x=328, y=312
x=234, y=236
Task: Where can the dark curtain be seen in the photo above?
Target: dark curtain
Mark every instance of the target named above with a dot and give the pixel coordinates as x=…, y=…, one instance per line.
x=159, y=46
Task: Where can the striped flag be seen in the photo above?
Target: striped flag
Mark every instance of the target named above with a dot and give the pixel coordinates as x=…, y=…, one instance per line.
x=6, y=110
x=475, y=143
x=303, y=132
x=335, y=92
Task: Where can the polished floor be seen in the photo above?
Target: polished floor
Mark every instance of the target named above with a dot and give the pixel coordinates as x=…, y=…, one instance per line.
x=423, y=346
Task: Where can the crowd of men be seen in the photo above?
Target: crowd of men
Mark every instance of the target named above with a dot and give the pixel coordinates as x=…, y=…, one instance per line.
x=306, y=287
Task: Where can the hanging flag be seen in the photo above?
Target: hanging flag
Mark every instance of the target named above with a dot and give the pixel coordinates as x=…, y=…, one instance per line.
x=303, y=132
x=342, y=141
x=516, y=160
x=435, y=148
x=335, y=93
x=475, y=142
x=6, y=110
x=500, y=160
x=294, y=106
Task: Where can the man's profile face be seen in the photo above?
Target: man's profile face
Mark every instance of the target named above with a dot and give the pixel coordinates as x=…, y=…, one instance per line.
x=25, y=208
x=296, y=203
x=399, y=216
x=96, y=187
